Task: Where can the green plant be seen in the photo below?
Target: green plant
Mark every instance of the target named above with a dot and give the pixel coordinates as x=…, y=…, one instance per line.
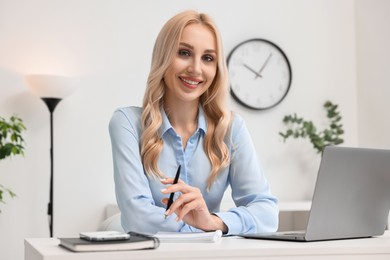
x=300, y=128
x=11, y=143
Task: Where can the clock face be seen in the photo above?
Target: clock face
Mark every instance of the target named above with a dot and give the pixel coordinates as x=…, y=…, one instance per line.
x=260, y=74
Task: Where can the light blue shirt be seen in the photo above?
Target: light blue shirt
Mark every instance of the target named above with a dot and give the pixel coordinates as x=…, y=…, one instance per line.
x=139, y=195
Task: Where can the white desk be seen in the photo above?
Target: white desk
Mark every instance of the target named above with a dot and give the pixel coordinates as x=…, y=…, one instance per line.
x=228, y=248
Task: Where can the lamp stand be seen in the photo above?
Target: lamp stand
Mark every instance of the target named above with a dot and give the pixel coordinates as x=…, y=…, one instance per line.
x=51, y=105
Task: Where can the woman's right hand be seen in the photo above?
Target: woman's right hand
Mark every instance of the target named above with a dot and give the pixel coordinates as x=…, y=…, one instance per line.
x=191, y=207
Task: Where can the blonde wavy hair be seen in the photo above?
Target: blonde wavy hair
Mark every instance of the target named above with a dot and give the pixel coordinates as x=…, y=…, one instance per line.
x=212, y=101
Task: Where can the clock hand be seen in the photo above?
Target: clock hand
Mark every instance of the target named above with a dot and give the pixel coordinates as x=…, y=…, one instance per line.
x=252, y=70
x=265, y=64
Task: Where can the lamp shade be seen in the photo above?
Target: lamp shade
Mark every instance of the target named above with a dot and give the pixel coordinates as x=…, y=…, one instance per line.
x=51, y=86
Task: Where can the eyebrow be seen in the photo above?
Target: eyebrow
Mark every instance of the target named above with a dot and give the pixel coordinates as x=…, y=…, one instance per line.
x=192, y=47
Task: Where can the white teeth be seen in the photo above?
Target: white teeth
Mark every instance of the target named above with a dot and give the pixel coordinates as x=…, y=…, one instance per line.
x=190, y=82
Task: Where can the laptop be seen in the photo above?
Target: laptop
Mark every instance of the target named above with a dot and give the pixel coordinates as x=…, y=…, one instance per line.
x=351, y=197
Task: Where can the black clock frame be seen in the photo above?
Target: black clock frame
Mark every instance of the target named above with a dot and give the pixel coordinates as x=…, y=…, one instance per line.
x=288, y=65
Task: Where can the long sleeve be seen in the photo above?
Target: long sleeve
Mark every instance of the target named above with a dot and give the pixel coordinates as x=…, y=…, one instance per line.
x=139, y=195
x=256, y=209
x=140, y=211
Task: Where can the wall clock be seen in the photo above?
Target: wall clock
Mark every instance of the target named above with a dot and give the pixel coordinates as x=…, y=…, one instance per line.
x=260, y=74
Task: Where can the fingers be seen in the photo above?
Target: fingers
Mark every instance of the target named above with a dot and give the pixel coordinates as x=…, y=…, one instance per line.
x=180, y=186
x=186, y=209
x=164, y=201
x=169, y=190
x=190, y=201
x=170, y=181
x=186, y=202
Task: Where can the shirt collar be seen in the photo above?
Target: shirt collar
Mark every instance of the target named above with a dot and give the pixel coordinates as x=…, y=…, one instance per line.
x=166, y=125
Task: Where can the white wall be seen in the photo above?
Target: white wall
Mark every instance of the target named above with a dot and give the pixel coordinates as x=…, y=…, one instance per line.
x=373, y=70
x=107, y=44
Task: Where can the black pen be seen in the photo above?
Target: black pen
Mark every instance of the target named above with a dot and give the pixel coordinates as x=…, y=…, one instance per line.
x=170, y=201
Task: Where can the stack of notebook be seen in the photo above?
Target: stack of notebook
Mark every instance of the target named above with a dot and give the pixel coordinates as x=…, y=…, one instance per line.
x=134, y=242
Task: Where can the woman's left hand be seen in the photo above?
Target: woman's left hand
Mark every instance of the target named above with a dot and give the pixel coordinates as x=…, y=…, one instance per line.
x=191, y=207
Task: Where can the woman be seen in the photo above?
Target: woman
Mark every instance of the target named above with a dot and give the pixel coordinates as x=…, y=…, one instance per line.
x=184, y=122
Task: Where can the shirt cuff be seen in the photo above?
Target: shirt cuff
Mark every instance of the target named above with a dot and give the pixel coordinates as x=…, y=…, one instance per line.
x=237, y=222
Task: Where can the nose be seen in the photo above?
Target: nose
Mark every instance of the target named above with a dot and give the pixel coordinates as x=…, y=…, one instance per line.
x=195, y=67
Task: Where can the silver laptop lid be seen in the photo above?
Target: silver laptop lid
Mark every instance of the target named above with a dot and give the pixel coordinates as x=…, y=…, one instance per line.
x=352, y=194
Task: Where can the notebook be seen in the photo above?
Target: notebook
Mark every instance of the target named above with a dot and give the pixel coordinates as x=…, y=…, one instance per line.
x=136, y=241
x=351, y=197
x=190, y=237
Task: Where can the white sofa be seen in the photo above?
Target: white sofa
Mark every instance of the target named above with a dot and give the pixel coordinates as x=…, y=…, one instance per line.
x=112, y=219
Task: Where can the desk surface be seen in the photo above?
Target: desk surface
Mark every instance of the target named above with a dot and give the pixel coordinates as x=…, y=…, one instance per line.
x=227, y=248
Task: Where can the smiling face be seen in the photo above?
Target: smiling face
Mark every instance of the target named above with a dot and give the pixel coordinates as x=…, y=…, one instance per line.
x=194, y=66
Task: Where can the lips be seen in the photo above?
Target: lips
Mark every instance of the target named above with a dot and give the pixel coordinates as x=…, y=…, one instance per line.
x=190, y=82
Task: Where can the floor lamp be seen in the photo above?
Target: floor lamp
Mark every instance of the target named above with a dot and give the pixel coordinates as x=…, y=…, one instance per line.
x=51, y=89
